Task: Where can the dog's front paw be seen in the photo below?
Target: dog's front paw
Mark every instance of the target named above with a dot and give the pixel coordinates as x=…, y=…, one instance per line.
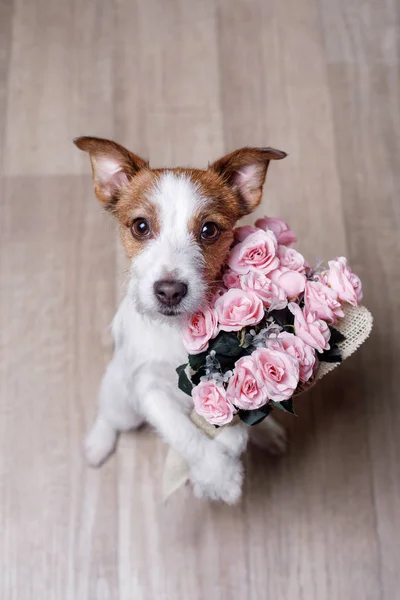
x=218, y=477
x=100, y=442
x=234, y=439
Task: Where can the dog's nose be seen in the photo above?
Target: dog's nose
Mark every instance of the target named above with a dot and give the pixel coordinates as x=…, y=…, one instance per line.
x=170, y=292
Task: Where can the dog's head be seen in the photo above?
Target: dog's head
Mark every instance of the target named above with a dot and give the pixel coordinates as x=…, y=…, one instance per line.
x=176, y=224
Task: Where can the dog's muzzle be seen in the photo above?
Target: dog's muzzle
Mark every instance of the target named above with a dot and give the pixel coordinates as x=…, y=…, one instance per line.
x=170, y=293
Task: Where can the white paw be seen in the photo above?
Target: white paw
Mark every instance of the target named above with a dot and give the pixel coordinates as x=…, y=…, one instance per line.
x=100, y=442
x=234, y=439
x=270, y=436
x=218, y=477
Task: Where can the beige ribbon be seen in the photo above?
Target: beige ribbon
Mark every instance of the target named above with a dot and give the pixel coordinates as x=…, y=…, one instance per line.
x=356, y=326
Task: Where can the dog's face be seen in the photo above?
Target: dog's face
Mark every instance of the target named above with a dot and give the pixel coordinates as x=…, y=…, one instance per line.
x=176, y=224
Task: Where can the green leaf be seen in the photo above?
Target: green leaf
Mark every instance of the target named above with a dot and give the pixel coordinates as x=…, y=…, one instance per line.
x=282, y=317
x=336, y=336
x=184, y=383
x=253, y=417
x=197, y=360
x=226, y=343
x=284, y=405
x=246, y=351
x=227, y=362
x=196, y=377
x=181, y=368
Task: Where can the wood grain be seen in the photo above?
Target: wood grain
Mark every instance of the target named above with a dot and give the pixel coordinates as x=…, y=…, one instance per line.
x=183, y=82
x=60, y=82
x=55, y=514
x=6, y=15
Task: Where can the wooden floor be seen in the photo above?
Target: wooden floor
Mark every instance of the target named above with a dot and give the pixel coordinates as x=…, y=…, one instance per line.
x=181, y=82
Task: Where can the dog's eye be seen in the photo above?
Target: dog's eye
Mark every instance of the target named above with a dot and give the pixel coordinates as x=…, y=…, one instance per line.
x=140, y=228
x=210, y=232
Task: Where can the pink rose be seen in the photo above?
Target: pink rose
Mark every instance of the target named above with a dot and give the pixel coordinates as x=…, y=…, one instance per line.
x=210, y=402
x=244, y=389
x=257, y=253
x=323, y=301
x=292, y=282
x=291, y=259
x=342, y=279
x=231, y=279
x=241, y=233
x=198, y=329
x=295, y=347
x=357, y=285
x=282, y=231
x=238, y=308
x=271, y=295
x=277, y=371
x=309, y=328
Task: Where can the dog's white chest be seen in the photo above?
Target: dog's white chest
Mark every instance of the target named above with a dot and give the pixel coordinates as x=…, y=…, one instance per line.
x=144, y=341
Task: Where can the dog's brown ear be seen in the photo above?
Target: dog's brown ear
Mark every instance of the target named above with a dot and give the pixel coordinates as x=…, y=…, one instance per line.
x=245, y=170
x=112, y=165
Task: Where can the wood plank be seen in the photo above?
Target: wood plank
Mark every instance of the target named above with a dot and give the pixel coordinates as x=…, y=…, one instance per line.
x=6, y=13
x=291, y=100
x=60, y=85
x=182, y=82
x=362, y=33
x=274, y=92
x=367, y=123
x=57, y=518
x=167, y=81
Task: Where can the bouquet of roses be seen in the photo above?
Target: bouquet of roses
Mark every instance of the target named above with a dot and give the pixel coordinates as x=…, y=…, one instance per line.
x=267, y=329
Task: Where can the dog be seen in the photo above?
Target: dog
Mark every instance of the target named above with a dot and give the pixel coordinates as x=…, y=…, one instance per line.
x=176, y=226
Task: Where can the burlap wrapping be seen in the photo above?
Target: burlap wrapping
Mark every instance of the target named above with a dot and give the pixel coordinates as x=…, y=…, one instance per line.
x=356, y=326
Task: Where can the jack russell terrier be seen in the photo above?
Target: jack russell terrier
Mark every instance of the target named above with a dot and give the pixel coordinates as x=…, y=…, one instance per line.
x=176, y=226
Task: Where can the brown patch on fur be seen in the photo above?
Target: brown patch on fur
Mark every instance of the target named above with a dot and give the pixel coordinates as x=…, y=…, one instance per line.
x=223, y=207
x=125, y=192
x=232, y=167
x=231, y=187
x=130, y=164
x=223, y=199
x=215, y=255
x=133, y=203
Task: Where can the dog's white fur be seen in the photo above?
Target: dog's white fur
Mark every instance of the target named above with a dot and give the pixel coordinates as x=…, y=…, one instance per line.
x=140, y=383
x=175, y=252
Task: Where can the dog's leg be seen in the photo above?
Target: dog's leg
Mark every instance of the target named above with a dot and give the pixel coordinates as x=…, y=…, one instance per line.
x=115, y=413
x=215, y=472
x=270, y=436
x=234, y=438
